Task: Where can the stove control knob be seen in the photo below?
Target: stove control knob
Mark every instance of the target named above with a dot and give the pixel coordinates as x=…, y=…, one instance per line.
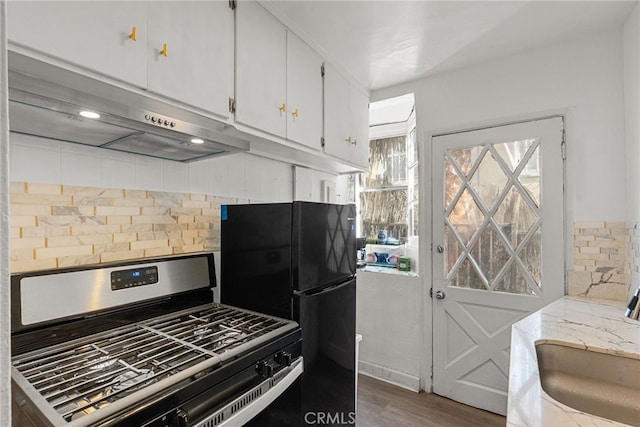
x=283, y=358
x=182, y=418
x=264, y=369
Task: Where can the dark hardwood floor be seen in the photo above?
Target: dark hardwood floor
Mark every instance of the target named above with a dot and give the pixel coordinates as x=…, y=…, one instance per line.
x=381, y=404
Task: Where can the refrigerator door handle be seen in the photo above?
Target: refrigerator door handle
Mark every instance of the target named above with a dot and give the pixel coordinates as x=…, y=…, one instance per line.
x=325, y=290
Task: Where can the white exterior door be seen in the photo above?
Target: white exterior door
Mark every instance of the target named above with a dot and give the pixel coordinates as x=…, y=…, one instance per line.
x=498, y=250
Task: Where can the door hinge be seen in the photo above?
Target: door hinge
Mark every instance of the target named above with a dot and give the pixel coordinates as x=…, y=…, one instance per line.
x=232, y=4
x=430, y=292
x=322, y=141
x=232, y=105
x=322, y=70
x=563, y=149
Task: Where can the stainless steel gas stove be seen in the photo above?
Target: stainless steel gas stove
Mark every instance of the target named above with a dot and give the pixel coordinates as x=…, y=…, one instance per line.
x=142, y=344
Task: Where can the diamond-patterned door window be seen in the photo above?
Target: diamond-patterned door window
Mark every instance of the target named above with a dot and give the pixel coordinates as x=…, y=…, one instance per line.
x=453, y=183
x=488, y=180
x=489, y=253
x=515, y=217
x=492, y=199
x=530, y=176
x=465, y=216
x=464, y=158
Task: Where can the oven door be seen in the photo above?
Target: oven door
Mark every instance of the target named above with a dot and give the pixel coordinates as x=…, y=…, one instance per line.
x=253, y=397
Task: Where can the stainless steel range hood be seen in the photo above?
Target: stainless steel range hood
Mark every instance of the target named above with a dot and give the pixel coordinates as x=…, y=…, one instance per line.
x=46, y=101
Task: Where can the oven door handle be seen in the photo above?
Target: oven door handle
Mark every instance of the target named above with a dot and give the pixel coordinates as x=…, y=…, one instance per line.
x=252, y=409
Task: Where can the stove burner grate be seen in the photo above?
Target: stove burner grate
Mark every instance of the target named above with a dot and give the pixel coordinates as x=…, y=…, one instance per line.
x=83, y=376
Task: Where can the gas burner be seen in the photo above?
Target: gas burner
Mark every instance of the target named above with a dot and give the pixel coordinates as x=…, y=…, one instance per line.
x=228, y=338
x=130, y=381
x=131, y=378
x=201, y=332
x=102, y=363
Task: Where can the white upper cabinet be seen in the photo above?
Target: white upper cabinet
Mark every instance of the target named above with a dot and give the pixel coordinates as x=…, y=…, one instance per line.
x=190, y=53
x=182, y=50
x=346, y=120
x=304, y=93
x=261, y=72
x=105, y=37
x=336, y=114
x=359, y=127
x=278, y=78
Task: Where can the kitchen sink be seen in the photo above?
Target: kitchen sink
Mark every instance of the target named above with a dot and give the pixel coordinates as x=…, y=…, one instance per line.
x=601, y=384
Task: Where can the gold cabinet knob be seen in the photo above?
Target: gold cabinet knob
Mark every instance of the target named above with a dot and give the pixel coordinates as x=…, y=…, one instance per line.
x=355, y=142
x=283, y=108
x=134, y=34
x=295, y=113
x=165, y=50
x=348, y=140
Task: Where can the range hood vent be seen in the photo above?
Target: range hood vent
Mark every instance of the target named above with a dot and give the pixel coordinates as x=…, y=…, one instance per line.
x=46, y=101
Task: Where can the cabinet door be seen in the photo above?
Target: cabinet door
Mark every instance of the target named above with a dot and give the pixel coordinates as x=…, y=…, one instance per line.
x=304, y=93
x=260, y=69
x=359, y=127
x=336, y=114
x=92, y=34
x=198, y=65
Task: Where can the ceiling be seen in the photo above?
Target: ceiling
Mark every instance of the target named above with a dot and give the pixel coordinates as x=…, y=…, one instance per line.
x=383, y=43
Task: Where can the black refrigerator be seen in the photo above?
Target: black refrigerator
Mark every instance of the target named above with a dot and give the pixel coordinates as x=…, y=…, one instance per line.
x=298, y=260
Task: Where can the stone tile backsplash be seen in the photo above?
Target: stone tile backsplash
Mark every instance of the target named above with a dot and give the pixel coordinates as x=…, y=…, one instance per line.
x=600, y=262
x=55, y=226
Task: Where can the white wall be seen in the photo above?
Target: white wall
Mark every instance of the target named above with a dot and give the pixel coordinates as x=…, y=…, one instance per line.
x=314, y=186
x=242, y=176
x=582, y=79
x=389, y=317
x=631, y=44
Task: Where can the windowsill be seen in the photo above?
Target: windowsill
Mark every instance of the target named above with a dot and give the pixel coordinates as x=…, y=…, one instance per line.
x=387, y=270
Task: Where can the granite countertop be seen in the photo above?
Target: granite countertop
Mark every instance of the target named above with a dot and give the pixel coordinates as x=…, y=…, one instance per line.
x=580, y=322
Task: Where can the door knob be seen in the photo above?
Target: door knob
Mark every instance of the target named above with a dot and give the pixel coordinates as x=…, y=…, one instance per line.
x=440, y=249
x=440, y=294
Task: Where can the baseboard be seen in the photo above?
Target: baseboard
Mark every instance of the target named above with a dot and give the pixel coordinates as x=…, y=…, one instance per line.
x=401, y=379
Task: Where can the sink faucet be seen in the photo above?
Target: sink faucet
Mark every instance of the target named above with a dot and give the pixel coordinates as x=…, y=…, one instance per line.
x=633, y=309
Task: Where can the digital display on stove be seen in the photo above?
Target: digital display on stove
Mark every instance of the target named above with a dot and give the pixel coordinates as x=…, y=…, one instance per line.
x=125, y=279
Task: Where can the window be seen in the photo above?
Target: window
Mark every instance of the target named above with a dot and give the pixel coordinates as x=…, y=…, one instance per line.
x=388, y=192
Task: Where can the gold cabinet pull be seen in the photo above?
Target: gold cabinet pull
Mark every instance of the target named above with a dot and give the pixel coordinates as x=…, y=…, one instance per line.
x=134, y=34
x=283, y=108
x=165, y=50
x=295, y=113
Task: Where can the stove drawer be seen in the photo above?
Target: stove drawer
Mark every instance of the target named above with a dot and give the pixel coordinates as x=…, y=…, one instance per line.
x=242, y=400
